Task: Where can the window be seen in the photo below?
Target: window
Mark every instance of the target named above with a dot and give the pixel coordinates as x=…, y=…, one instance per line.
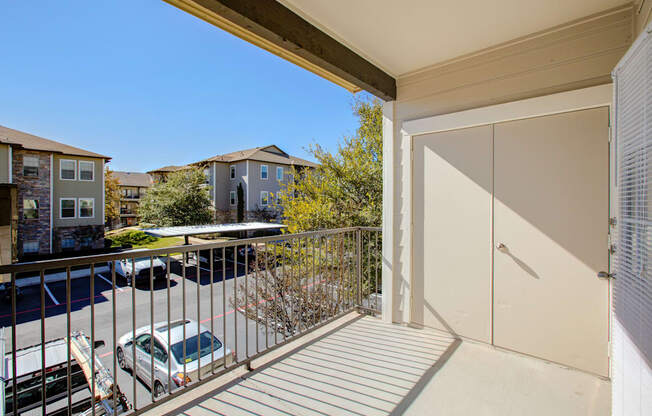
x=232, y=198
x=86, y=170
x=264, y=198
x=143, y=342
x=207, y=175
x=279, y=173
x=232, y=171
x=67, y=169
x=159, y=352
x=86, y=242
x=263, y=171
x=86, y=207
x=191, y=347
x=68, y=244
x=30, y=209
x=30, y=166
x=30, y=247
x=67, y=207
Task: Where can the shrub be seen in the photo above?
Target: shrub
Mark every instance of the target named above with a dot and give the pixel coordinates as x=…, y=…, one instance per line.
x=132, y=237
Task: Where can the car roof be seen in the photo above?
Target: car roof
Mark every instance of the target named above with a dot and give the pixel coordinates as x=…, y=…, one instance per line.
x=176, y=330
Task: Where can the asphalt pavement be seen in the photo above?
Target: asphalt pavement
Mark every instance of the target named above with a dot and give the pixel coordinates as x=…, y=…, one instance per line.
x=189, y=298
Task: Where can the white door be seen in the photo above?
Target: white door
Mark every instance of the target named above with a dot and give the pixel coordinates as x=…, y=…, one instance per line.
x=452, y=231
x=551, y=207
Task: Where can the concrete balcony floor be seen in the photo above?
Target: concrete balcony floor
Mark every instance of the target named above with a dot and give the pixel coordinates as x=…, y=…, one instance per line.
x=363, y=366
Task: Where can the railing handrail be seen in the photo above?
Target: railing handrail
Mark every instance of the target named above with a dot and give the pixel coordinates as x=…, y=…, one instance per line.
x=101, y=258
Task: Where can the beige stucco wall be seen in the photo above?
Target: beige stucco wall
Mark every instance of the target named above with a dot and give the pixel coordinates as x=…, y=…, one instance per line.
x=566, y=58
x=78, y=189
x=256, y=185
x=4, y=163
x=221, y=183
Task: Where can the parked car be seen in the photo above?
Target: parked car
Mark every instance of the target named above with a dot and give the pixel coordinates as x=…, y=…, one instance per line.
x=28, y=379
x=196, y=362
x=204, y=255
x=126, y=269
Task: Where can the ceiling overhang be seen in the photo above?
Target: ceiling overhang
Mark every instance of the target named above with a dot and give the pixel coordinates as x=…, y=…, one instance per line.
x=275, y=28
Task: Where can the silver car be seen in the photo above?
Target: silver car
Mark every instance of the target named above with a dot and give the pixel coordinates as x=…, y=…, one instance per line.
x=195, y=362
x=140, y=268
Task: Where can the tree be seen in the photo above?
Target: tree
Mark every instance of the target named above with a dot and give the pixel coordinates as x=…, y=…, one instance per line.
x=184, y=199
x=111, y=196
x=292, y=286
x=346, y=188
x=240, y=203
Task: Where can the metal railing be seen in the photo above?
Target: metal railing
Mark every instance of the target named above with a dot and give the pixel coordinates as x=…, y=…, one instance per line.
x=251, y=296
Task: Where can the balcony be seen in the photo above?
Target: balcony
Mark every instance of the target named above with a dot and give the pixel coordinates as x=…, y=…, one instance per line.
x=298, y=318
x=78, y=318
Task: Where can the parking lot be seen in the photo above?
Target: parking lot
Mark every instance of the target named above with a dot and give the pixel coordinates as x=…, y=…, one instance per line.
x=197, y=306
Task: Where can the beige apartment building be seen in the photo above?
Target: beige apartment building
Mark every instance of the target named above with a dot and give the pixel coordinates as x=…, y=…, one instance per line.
x=59, y=194
x=262, y=172
x=132, y=187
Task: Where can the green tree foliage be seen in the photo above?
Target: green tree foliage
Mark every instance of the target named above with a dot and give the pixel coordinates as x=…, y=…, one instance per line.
x=346, y=189
x=184, y=199
x=111, y=197
x=132, y=237
x=240, y=203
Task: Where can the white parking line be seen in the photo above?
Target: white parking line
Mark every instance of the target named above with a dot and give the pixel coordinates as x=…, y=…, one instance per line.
x=47, y=289
x=109, y=282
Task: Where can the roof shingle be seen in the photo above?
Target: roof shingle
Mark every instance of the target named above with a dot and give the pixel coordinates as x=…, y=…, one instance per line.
x=32, y=142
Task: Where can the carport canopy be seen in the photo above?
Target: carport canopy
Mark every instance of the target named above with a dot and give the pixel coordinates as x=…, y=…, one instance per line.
x=187, y=230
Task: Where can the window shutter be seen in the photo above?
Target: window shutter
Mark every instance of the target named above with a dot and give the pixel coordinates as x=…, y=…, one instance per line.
x=632, y=291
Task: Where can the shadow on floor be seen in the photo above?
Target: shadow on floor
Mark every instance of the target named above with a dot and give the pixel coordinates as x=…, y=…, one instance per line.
x=364, y=367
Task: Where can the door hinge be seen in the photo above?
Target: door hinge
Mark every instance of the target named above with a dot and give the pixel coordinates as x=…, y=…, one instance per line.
x=612, y=221
x=612, y=249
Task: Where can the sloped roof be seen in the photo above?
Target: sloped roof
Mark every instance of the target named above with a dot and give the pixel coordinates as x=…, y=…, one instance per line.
x=170, y=168
x=272, y=154
x=31, y=142
x=133, y=178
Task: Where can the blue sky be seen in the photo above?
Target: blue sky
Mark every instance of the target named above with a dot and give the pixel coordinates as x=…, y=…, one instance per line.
x=150, y=85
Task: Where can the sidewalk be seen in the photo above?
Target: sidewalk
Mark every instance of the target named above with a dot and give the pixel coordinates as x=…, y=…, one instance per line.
x=59, y=276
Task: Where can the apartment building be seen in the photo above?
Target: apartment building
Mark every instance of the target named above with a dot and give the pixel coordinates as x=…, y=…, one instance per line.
x=59, y=197
x=160, y=174
x=133, y=186
x=262, y=171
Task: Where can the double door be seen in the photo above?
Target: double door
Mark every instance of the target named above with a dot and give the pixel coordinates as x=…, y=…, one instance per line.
x=510, y=231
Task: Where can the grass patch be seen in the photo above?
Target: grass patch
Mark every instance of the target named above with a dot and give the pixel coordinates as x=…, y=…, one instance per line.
x=138, y=239
x=162, y=243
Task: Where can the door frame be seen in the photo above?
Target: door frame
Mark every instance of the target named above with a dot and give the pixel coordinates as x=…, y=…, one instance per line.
x=568, y=101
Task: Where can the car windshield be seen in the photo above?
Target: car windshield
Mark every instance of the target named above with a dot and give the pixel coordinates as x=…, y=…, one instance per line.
x=191, y=347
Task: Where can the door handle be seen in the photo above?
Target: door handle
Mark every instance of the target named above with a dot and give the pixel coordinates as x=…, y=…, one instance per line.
x=605, y=275
x=501, y=247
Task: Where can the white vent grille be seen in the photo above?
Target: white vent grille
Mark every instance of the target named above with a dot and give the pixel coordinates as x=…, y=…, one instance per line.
x=633, y=285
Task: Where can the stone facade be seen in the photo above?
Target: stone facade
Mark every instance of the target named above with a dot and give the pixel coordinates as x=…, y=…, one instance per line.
x=85, y=237
x=33, y=187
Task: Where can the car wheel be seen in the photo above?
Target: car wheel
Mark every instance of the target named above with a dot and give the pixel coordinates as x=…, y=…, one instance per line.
x=121, y=359
x=159, y=390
